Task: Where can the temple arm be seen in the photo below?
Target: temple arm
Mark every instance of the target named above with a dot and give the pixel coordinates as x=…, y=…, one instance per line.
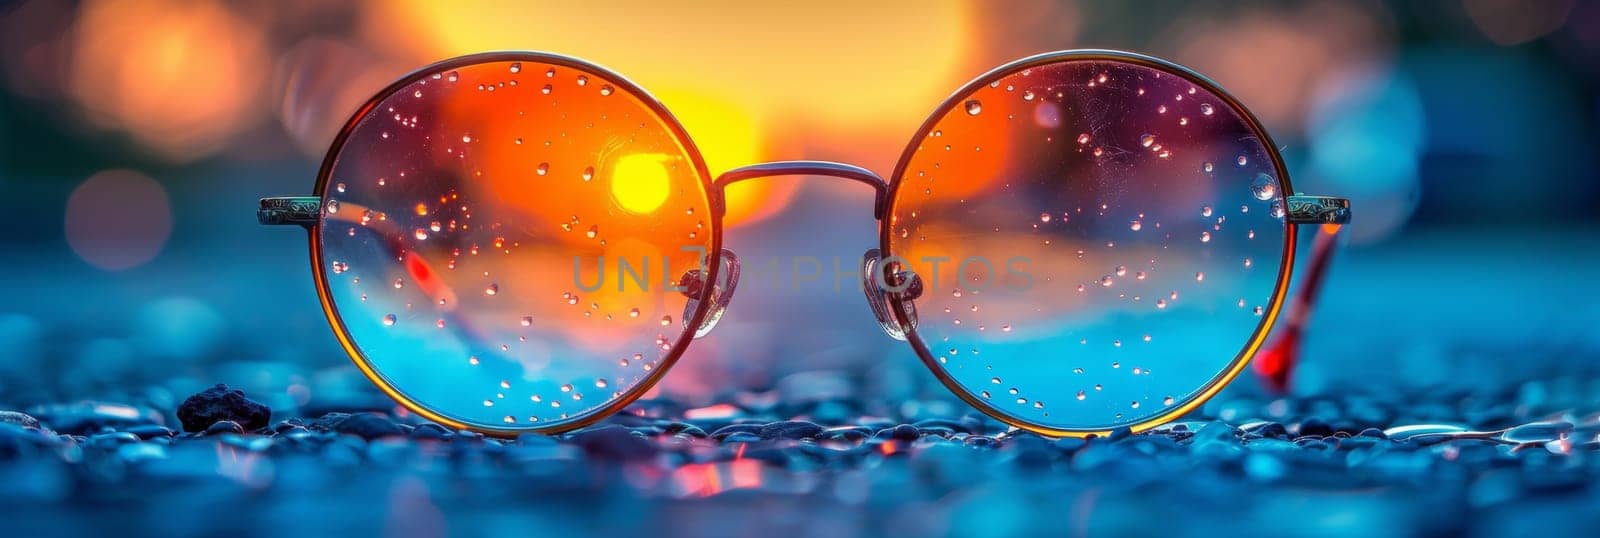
x=1275, y=363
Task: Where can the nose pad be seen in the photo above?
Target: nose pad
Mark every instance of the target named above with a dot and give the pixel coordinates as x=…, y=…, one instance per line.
x=883, y=285
x=693, y=283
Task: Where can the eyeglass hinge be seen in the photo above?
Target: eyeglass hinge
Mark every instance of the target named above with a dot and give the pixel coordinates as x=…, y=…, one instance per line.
x=284, y=210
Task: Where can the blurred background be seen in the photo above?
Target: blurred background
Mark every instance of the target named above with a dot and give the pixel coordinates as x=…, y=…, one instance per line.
x=136, y=136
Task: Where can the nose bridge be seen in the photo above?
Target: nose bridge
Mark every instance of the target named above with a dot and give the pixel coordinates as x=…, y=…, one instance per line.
x=803, y=168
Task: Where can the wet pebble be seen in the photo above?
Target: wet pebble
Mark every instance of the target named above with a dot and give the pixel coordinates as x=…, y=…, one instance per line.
x=904, y=432
x=223, y=426
x=1315, y=426
x=150, y=431
x=368, y=426
x=793, y=429
x=613, y=443
x=685, y=428
x=846, y=433
x=18, y=419
x=1271, y=430
x=88, y=417
x=725, y=431
x=431, y=431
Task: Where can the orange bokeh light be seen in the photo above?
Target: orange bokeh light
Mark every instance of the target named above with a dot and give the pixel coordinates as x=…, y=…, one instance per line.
x=181, y=80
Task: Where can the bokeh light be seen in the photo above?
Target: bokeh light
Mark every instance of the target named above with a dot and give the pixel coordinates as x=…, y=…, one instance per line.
x=1510, y=22
x=1272, y=58
x=118, y=219
x=1367, y=135
x=180, y=80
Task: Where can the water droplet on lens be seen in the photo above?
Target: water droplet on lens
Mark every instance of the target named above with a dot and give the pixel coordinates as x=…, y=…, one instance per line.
x=1027, y=95
x=583, y=80
x=592, y=231
x=1044, y=217
x=606, y=90
x=1264, y=187
x=1081, y=396
x=588, y=173
x=1276, y=210
x=516, y=67
x=1205, y=237
x=600, y=383
x=388, y=320
x=491, y=289
x=421, y=234
x=398, y=283
x=1243, y=160
x=1146, y=140
x=1205, y=108
x=527, y=321
x=1083, y=138
x=1205, y=211
x=974, y=106
x=1207, y=167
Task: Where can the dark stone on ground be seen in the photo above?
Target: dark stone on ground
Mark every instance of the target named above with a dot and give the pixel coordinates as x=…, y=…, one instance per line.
x=218, y=403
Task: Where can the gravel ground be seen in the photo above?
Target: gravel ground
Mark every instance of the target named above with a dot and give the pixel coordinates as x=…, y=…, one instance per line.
x=762, y=463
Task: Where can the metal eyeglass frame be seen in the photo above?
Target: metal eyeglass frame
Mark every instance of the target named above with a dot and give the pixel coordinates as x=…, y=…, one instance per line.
x=889, y=289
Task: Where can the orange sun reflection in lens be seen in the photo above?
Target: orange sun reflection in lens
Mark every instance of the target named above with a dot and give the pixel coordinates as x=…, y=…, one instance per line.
x=870, y=71
x=639, y=182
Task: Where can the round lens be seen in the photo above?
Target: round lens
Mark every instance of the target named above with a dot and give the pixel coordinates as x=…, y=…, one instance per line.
x=503, y=238
x=1101, y=241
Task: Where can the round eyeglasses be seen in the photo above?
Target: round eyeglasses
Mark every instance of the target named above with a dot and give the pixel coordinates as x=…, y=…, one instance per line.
x=1073, y=243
